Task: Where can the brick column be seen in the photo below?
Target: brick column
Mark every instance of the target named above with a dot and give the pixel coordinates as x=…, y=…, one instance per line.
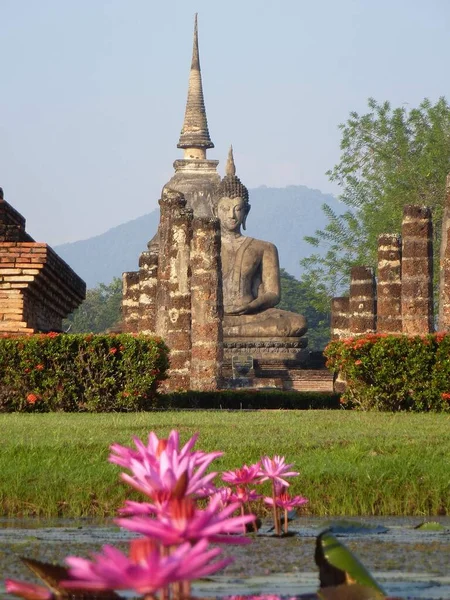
x=340, y=318
x=173, y=295
x=362, y=303
x=444, y=265
x=148, y=279
x=206, y=305
x=130, y=302
x=389, y=285
x=417, y=270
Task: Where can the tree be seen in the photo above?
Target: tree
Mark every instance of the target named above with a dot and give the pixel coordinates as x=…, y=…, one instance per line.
x=300, y=297
x=390, y=157
x=100, y=311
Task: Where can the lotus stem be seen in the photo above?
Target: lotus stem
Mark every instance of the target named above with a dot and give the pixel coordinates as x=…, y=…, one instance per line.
x=244, y=529
x=276, y=520
x=285, y=520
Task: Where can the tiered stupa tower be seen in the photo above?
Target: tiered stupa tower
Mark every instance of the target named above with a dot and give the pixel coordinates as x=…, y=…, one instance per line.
x=195, y=176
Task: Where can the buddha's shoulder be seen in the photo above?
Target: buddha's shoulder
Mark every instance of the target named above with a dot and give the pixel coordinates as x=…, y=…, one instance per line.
x=261, y=244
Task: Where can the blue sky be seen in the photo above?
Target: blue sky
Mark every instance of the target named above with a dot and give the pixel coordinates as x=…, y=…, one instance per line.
x=93, y=94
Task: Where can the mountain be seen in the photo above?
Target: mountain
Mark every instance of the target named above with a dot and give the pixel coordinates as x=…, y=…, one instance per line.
x=279, y=215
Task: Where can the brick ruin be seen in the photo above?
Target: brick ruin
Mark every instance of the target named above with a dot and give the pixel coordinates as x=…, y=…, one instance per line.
x=37, y=288
x=400, y=300
x=177, y=295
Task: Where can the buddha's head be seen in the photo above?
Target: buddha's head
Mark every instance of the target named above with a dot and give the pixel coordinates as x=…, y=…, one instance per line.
x=232, y=205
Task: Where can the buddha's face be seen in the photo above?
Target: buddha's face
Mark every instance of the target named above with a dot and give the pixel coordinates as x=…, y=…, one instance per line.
x=232, y=213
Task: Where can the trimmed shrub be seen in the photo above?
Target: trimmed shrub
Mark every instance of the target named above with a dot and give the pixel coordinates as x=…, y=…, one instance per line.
x=248, y=400
x=394, y=372
x=77, y=372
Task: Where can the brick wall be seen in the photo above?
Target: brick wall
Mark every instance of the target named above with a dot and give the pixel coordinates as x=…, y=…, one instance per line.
x=37, y=288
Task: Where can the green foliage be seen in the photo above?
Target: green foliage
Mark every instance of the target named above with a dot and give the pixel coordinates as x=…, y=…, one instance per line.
x=390, y=158
x=95, y=373
x=394, y=373
x=351, y=462
x=99, y=312
x=301, y=297
x=242, y=399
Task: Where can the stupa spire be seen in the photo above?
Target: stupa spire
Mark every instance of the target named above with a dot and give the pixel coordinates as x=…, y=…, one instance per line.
x=194, y=138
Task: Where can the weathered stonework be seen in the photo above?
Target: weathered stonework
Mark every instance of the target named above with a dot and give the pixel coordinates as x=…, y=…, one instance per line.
x=37, y=288
x=177, y=295
x=362, y=303
x=130, y=302
x=340, y=321
x=173, y=292
x=206, y=305
x=148, y=281
x=417, y=270
x=444, y=265
x=389, y=285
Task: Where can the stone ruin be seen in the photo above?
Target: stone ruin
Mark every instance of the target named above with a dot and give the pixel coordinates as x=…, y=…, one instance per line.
x=37, y=288
x=178, y=291
x=400, y=300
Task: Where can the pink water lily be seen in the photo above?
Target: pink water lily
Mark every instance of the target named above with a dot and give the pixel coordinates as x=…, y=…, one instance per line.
x=286, y=502
x=160, y=465
x=243, y=494
x=275, y=469
x=183, y=521
x=30, y=591
x=243, y=476
x=145, y=573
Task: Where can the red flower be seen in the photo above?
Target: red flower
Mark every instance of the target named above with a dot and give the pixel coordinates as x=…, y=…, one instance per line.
x=112, y=350
x=445, y=396
x=52, y=334
x=358, y=362
x=31, y=398
x=39, y=367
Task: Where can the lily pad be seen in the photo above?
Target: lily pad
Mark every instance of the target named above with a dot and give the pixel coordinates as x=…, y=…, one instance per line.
x=349, y=592
x=354, y=527
x=430, y=526
x=338, y=565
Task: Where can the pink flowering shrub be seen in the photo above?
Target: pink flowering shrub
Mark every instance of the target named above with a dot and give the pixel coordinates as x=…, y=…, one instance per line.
x=73, y=373
x=394, y=372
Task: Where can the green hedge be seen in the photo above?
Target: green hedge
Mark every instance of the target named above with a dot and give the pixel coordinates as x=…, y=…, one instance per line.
x=248, y=400
x=394, y=372
x=93, y=373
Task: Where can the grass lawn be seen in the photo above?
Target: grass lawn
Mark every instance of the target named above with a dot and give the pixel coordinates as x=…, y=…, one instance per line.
x=351, y=463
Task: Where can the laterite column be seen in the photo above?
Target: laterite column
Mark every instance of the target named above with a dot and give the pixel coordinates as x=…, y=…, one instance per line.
x=206, y=305
x=444, y=265
x=340, y=318
x=362, y=304
x=417, y=270
x=148, y=280
x=130, y=302
x=173, y=296
x=389, y=285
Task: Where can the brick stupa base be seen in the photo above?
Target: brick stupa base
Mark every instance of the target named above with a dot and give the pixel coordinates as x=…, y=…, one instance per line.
x=37, y=288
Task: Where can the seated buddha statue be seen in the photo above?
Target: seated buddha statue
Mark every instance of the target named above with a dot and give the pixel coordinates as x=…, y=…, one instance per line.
x=250, y=271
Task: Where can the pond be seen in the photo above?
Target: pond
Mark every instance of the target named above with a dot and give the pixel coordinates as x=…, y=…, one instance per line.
x=408, y=562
